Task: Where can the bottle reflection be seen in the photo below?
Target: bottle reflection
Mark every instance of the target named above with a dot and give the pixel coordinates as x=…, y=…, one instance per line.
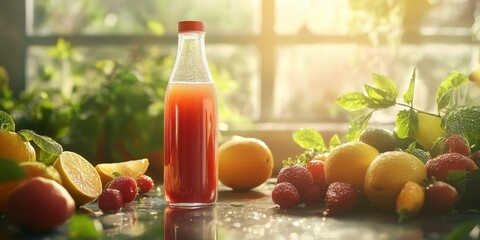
x=190, y=223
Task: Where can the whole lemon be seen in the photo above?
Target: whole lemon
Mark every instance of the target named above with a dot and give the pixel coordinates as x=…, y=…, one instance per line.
x=244, y=163
x=388, y=173
x=14, y=147
x=429, y=129
x=348, y=163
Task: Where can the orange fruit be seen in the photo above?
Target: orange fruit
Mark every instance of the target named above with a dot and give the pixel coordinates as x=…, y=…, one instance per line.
x=32, y=169
x=348, y=163
x=79, y=177
x=410, y=200
x=132, y=168
x=40, y=204
x=6, y=189
x=387, y=175
x=40, y=169
x=15, y=148
x=244, y=163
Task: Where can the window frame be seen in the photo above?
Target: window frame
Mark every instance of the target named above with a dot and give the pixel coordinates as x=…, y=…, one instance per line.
x=14, y=46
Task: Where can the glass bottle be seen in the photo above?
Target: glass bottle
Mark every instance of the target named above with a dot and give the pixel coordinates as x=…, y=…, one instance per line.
x=191, y=123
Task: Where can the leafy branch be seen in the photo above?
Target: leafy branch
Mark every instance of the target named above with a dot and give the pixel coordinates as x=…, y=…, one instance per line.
x=384, y=93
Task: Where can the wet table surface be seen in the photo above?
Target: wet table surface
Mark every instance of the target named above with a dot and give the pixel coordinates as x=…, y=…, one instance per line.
x=250, y=215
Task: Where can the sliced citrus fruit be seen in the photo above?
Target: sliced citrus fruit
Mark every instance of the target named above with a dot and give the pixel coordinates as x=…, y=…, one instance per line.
x=132, y=168
x=79, y=177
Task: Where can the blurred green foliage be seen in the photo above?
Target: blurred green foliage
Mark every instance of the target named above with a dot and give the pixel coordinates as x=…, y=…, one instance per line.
x=104, y=110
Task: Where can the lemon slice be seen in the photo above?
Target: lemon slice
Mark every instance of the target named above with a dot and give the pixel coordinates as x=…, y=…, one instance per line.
x=79, y=177
x=132, y=168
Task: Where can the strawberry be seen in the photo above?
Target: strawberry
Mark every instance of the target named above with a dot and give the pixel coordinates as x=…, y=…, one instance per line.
x=297, y=175
x=285, y=195
x=127, y=187
x=476, y=157
x=440, y=197
x=144, y=183
x=439, y=166
x=458, y=144
x=110, y=200
x=340, y=198
x=313, y=195
x=317, y=169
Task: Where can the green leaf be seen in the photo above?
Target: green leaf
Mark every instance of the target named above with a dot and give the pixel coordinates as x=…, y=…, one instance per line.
x=463, y=121
x=357, y=125
x=334, y=141
x=408, y=95
x=43, y=142
x=308, y=138
x=458, y=180
x=375, y=93
x=463, y=230
x=6, y=122
x=445, y=92
x=83, y=227
x=378, y=104
x=352, y=101
x=10, y=170
x=406, y=123
x=386, y=84
x=424, y=156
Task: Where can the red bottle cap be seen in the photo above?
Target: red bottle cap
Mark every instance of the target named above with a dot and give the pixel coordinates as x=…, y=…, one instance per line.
x=191, y=26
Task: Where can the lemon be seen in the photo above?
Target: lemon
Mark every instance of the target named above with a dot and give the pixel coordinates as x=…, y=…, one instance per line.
x=429, y=130
x=387, y=175
x=14, y=147
x=244, y=163
x=348, y=163
x=132, y=168
x=79, y=177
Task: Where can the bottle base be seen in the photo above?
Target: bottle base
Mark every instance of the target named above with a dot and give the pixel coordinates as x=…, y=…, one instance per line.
x=190, y=205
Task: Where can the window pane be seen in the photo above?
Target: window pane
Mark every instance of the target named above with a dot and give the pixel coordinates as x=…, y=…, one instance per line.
x=316, y=16
x=310, y=77
x=235, y=70
x=141, y=16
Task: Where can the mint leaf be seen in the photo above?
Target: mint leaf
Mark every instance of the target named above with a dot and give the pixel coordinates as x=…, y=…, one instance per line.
x=463, y=121
x=375, y=93
x=308, y=138
x=6, y=122
x=334, y=141
x=43, y=142
x=357, y=125
x=352, y=101
x=83, y=227
x=386, y=85
x=445, y=92
x=408, y=95
x=10, y=170
x=406, y=123
x=458, y=180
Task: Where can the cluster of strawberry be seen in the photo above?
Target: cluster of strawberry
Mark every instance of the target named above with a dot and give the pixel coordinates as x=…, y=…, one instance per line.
x=298, y=184
x=123, y=190
x=440, y=196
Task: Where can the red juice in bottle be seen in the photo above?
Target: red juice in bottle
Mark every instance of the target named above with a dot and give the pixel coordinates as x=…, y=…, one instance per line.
x=191, y=124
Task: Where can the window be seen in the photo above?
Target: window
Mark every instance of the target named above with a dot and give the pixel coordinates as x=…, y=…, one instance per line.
x=288, y=59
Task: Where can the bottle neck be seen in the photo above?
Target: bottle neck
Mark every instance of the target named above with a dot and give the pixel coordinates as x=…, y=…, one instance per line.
x=191, y=63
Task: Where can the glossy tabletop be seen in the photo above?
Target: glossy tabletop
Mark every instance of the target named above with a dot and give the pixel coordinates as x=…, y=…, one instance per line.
x=249, y=215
